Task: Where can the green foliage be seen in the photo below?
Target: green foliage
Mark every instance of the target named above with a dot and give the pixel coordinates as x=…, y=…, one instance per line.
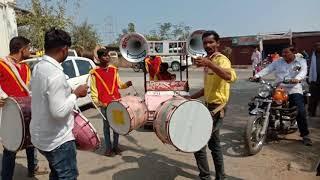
x=42, y=17
x=165, y=31
x=84, y=36
x=131, y=27
x=168, y=31
x=46, y=14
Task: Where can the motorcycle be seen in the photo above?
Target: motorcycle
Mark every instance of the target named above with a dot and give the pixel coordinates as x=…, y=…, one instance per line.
x=137, y=66
x=269, y=111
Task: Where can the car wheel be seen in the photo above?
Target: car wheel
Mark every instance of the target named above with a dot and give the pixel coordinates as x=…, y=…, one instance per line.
x=175, y=66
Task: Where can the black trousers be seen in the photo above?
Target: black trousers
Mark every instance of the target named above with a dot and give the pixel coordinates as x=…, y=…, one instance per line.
x=314, y=99
x=216, y=152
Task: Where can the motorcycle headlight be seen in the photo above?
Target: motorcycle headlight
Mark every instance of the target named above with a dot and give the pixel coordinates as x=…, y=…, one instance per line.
x=264, y=91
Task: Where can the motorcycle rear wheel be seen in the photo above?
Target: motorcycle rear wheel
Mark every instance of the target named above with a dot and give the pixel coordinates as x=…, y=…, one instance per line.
x=136, y=68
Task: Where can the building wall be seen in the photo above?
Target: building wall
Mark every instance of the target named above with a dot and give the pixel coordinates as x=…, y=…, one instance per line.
x=241, y=55
x=8, y=25
x=306, y=43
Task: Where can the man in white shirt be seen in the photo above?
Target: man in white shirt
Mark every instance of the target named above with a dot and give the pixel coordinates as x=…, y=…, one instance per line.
x=52, y=108
x=295, y=69
x=255, y=59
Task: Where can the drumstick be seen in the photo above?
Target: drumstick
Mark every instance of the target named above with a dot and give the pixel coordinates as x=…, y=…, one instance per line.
x=0, y=116
x=135, y=91
x=3, y=95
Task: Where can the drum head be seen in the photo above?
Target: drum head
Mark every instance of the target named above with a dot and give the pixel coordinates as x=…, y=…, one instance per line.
x=190, y=126
x=12, y=129
x=118, y=117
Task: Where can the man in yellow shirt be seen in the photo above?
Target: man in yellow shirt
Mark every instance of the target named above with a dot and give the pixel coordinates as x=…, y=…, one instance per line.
x=218, y=75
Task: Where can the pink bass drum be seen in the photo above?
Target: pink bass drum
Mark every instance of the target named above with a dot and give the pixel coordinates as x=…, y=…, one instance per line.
x=126, y=114
x=85, y=134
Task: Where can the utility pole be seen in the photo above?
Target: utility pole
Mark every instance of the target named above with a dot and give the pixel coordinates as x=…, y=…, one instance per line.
x=110, y=34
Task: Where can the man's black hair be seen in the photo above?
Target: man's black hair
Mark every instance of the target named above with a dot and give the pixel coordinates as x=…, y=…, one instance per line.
x=209, y=33
x=102, y=52
x=18, y=43
x=56, y=38
x=165, y=65
x=290, y=47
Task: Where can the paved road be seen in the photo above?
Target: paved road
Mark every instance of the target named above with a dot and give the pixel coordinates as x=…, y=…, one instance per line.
x=146, y=158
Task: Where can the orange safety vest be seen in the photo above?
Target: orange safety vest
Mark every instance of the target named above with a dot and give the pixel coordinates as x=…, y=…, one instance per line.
x=9, y=81
x=107, y=84
x=153, y=66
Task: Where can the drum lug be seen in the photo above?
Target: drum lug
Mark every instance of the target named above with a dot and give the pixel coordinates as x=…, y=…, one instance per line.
x=126, y=106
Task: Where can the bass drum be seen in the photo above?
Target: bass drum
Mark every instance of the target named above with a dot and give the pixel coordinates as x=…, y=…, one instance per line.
x=15, y=121
x=185, y=124
x=85, y=134
x=126, y=114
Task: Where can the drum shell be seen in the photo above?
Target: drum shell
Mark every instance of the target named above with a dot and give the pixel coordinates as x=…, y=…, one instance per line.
x=177, y=123
x=23, y=105
x=162, y=118
x=135, y=109
x=86, y=136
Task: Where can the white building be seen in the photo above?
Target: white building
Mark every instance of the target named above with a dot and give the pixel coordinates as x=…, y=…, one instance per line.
x=8, y=25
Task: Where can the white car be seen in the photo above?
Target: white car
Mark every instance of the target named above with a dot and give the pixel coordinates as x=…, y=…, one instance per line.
x=174, y=62
x=76, y=70
x=72, y=52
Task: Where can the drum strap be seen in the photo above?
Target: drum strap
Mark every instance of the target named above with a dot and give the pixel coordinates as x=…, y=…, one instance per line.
x=12, y=70
x=97, y=108
x=217, y=118
x=217, y=108
x=104, y=83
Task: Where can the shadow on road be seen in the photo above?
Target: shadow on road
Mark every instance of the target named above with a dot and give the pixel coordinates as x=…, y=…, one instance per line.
x=233, y=145
x=151, y=168
x=151, y=165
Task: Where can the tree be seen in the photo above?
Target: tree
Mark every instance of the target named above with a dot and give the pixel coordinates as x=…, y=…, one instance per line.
x=43, y=16
x=153, y=36
x=227, y=51
x=131, y=27
x=181, y=31
x=84, y=36
x=164, y=30
x=169, y=31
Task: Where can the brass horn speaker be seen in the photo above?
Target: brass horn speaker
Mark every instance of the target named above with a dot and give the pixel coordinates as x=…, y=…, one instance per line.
x=195, y=44
x=133, y=47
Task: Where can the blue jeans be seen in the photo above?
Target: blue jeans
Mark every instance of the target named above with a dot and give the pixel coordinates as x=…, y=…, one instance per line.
x=298, y=100
x=9, y=158
x=216, y=152
x=106, y=132
x=63, y=161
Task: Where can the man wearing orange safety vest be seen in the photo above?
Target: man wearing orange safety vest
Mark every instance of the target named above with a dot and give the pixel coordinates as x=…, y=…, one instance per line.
x=14, y=81
x=105, y=84
x=153, y=66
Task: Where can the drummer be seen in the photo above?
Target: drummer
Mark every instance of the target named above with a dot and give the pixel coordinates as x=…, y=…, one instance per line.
x=218, y=76
x=13, y=87
x=105, y=84
x=52, y=104
x=153, y=64
x=164, y=74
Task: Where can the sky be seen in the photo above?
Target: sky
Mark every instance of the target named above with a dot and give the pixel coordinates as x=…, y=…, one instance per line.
x=227, y=17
